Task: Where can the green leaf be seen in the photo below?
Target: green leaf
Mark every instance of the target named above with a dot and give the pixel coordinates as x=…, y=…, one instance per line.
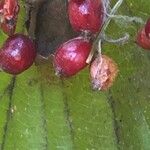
x=81, y=117
x=40, y=111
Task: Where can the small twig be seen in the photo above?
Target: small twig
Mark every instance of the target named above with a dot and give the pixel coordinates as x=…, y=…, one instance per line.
x=121, y=40
x=99, y=47
x=106, y=23
x=108, y=19
x=93, y=51
x=127, y=19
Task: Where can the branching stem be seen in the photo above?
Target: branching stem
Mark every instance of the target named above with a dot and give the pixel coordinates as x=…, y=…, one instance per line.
x=105, y=25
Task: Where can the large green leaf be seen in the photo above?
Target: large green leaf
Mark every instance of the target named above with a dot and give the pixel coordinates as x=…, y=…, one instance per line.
x=40, y=111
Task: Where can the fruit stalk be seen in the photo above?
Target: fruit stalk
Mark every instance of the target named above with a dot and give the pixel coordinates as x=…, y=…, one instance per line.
x=105, y=25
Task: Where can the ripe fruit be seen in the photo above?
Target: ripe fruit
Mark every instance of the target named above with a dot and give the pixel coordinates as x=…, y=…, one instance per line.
x=103, y=72
x=142, y=40
x=17, y=54
x=86, y=15
x=147, y=28
x=77, y=1
x=71, y=56
x=9, y=10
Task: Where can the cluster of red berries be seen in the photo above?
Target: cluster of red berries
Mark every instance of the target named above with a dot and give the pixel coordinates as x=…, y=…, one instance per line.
x=143, y=37
x=87, y=16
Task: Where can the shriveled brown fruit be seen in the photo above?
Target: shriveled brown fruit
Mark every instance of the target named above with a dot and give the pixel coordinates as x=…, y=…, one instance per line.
x=103, y=71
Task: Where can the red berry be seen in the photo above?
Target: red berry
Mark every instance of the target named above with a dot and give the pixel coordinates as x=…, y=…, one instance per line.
x=142, y=39
x=147, y=28
x=86, y=15
x=9, y=10
x=71, y=56
x=78, y=1
x=1, y=7
x=17, y=54
x=103, y=72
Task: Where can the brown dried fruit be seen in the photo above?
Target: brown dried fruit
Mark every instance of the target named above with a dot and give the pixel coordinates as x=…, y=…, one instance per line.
x=103, y=72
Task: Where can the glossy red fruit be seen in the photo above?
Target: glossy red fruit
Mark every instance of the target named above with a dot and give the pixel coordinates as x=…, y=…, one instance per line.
x=17, y=54
x=147, y=28
x=71, y=56
x=78, y=1
x=9, y=10
x=142, y=40
x=103, y=72
x=1, y=7
x=86, y=15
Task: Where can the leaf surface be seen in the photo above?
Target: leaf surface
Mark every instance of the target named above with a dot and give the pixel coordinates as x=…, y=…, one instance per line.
x=39, y=111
